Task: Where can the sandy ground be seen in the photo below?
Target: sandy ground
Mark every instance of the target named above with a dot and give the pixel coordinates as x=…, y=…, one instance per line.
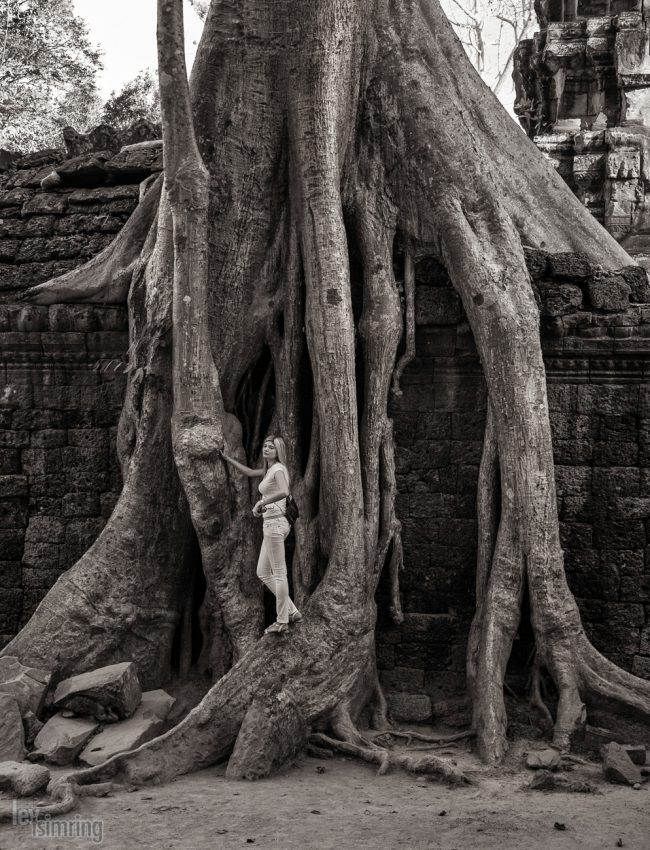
x=318, y=804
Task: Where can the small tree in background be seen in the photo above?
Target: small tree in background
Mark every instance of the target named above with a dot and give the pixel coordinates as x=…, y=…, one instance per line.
x=138, y=99
x=48, y=70
x=490, y=30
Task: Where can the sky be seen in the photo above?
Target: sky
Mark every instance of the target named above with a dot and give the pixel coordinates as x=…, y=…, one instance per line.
x=126, y=32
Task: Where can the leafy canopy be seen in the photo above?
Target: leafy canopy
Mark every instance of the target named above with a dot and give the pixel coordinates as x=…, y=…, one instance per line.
x=139, y=98
x=47, y=72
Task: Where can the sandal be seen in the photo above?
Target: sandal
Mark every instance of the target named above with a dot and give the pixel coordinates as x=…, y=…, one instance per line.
x=296, y=617
x=277, y=629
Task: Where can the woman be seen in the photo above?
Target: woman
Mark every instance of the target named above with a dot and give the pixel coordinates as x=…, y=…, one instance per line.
x=272, y=566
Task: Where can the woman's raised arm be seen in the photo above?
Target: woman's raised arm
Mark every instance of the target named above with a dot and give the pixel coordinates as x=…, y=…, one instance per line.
x=251, y=473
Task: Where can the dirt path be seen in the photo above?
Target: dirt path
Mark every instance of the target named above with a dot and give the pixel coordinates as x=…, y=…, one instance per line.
x=348, y=807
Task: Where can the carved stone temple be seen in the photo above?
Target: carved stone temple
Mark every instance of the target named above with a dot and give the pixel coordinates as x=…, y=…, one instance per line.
x=583, y=96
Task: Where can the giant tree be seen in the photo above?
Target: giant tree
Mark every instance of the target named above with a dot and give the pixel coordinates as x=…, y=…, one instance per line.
x=310, y=130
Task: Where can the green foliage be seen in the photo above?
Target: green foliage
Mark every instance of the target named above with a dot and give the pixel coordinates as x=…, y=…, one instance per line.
x=139, y=98
x=47, y=73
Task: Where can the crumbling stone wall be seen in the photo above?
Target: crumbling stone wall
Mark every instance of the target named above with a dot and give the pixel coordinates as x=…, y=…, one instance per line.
x=583, y=96
x=596, y=343
x=59, y=476
x=58, y=208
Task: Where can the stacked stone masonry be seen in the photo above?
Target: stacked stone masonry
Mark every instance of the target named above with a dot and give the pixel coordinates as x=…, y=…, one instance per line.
x=58, y=208
x=62, y=385
x=583, y=95
x=596, y=342
x=60, y=399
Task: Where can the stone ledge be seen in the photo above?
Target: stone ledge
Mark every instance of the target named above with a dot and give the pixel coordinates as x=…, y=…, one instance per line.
x=62, y=318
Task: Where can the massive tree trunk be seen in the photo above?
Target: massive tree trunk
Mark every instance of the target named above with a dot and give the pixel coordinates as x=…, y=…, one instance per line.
x=309, y=126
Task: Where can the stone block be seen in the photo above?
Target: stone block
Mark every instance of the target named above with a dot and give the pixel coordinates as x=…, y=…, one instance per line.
x=636, y=278
x=623, y=164
x=425, y=655
x=409, y=708
x=12, y=734
x=104, y=195
x=609, y=293
x=81, y=505
x=10, y=574
x=547, y=759
x=89, y=438
x=596, y=738
x=619, y=535
x=107, y=502
x=80, y=457
x=95, y=243
x=45, y=529
x=107, y=693
x=572, y=452
x=636, y=753
x=48, y=438
x=27, y=685
x=8, y=250
x=569, y=266
x=39, y=249
x=608, y=399
x=615, y=453
x=645, y=641
x=436, y=305
x=134, y=165
x=641, y=666
x=62, y=738
x=385, y=654
x=13, y=485
x=44, y=203
x=144, y=725
x=24, y=780
x=430, y=272
x=14, y=439
x=15, y=198
x=558, y=299
x=618, y=768
x=11, y=545
x=589, y=166
x=40, y=225
x=403, y=679
x=13, y=513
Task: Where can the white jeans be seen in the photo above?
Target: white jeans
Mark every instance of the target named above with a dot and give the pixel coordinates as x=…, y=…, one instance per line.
x=272, y=566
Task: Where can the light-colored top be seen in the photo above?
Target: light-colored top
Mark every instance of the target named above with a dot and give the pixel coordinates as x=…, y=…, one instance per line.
x=270, y=488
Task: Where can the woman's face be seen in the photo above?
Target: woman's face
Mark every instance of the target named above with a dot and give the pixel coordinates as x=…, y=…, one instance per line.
x=269, y=451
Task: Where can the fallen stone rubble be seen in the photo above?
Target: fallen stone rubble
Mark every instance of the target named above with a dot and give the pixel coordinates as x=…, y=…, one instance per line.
x=88, y=719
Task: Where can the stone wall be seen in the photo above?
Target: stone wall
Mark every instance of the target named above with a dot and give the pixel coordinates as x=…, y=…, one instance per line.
x=59, y=476
x=56, y=211
x=583, y=96
x=598, y=371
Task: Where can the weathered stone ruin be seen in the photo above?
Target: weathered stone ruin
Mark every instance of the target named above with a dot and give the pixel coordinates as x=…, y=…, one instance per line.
x=583, y=95
x=62, y=382
x=89, y=718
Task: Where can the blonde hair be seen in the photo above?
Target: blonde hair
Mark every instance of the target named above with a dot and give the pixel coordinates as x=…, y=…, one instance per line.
x=281, y=449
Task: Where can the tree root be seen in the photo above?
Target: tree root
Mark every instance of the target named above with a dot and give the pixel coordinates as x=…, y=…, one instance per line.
x=106, y=278
x=409, y=296
x=536, y=699
x=64, y=793
x=418, y=736
x=427, y=764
